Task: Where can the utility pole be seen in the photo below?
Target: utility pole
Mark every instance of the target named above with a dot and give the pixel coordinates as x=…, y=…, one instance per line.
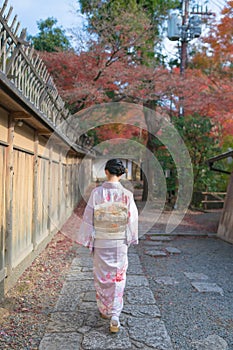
x=184, y=26
x=184, y=37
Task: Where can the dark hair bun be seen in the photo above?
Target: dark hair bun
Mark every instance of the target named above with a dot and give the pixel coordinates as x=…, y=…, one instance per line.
x=115, y=167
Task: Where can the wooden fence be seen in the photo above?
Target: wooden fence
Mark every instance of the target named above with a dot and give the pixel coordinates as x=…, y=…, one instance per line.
x=40, y=181
x=40, y=185
x=213, y=200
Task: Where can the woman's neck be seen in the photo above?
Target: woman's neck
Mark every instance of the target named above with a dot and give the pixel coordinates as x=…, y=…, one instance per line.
x=113, y=178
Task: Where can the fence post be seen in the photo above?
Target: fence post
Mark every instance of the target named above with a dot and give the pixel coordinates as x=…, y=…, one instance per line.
x=35, y=192
x=9, y=192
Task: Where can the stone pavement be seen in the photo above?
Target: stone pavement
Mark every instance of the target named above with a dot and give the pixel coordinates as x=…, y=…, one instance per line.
x=75, y=322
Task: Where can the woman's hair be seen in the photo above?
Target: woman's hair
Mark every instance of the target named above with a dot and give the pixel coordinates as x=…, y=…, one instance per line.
x=115, y=167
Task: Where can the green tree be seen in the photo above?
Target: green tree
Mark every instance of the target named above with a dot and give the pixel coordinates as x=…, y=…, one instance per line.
x=126, y=19
x=202, y=141
x=50, y=37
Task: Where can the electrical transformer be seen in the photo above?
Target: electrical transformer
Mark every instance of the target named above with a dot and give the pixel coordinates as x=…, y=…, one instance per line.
x=174, y=26
x=195, y=26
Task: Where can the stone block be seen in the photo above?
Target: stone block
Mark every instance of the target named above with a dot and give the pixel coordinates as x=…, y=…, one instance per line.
x=151, y=332
x=196, y=276
x=136, y=281
x=56, y=341
x=166, y=280
x=203, y=287
x=140, y=296
x=103, y=339
x=64, y=322
x=142, y=310
x=155, y=253
x=212, y=342
x=173, y=250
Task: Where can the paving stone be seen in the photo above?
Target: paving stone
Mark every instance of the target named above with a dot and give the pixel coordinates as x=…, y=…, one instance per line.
x=103, y=339
x=132, y=251
x=173, y=250
x=134, y=269
x=212, y=342
x=84, y=329
x=196, y=276
x=204, y=287
x=68, y=303
x=88, y=305
x=134, y=259
x=75, y=268
x=160, y=238
x=59, y=341
x=87, y=269
x=81, y=276
x=65, y=322
x=153, y=243
x=84, y=262
x=92, y=317
x=155, y=253
x=166, y=280
x=75, y=287
x=142, y=310
x=90, y=296
x=141, y=295
x=151, y=332
x=136, y=281
x=75, y=275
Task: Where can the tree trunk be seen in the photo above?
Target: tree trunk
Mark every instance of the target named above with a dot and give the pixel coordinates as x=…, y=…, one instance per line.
x=153, y=118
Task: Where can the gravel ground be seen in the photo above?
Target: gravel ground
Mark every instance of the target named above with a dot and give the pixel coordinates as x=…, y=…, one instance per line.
x=188, y=314
x=24, y=314
x=25, y=311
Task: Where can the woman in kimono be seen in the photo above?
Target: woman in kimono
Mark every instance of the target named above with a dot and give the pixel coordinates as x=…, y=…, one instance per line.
x=109, y=227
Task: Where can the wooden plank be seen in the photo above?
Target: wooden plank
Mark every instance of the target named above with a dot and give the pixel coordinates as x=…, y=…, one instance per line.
x=35, y=192
x=2, y=208
x=212, y=201
x=3, y=125
x=24, y=137
x=9, y=193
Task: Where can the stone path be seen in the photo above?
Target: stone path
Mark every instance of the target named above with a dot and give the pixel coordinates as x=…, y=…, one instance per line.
x=75, y=322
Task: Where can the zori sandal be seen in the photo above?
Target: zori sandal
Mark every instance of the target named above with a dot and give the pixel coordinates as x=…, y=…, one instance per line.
x=114, y=324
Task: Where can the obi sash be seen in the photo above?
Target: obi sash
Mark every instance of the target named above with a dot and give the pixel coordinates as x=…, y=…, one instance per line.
x=110, y=220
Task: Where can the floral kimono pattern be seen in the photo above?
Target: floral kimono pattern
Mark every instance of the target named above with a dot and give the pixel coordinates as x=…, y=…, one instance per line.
x=109, y=227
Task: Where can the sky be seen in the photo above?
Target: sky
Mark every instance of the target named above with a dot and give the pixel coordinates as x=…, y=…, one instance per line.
x=29, y=12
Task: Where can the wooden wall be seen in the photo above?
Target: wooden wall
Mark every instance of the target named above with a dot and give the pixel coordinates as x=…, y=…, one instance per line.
x=225, y=228
x=38, y=188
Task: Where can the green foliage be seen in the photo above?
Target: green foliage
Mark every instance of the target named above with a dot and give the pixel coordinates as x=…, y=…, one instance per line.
x=50, y=38
x=198, y=134
x=113, y=21
x=202, y=144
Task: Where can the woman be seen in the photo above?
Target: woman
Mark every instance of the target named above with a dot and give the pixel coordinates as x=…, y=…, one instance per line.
x=110, y=225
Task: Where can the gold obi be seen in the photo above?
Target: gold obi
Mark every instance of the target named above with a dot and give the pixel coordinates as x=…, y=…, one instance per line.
x=110, y=220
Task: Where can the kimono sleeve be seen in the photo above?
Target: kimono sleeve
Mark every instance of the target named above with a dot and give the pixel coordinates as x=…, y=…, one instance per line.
x=86, y=232
x=132, y=226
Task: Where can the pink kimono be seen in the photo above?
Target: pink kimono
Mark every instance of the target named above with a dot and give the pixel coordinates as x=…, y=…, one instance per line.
x=110, y=225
